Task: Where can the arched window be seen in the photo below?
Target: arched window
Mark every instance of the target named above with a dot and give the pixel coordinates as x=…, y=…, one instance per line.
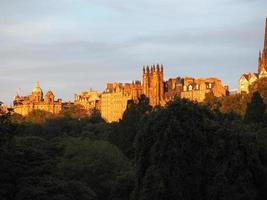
x=190, y=87
x=197, y=87
x=185, y=88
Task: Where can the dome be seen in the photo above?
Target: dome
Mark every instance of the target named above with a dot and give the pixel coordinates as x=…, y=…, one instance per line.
x=37, y=88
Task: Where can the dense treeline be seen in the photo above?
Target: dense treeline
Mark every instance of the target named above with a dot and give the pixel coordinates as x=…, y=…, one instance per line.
x=182, y=151
x=238, y=103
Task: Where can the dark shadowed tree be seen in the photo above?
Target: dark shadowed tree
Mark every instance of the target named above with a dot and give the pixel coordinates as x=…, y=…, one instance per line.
x=255, y=109
x=124, y=132
x=260, y=86
x=214, y=103
x=185, y=152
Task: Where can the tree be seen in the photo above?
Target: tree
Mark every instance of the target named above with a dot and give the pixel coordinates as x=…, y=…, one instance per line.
x=99, y=164
x=214, y=103
x=75, y=111
x=235, y=103
x=123, y=134
x=260, y=86
x=185, y=152
x=38, y=116
x=255, y=109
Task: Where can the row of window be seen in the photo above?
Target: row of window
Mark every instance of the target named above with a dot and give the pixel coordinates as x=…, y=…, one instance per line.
x=196, y=87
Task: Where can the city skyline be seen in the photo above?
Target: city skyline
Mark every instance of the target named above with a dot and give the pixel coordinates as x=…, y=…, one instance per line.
x=72, y=46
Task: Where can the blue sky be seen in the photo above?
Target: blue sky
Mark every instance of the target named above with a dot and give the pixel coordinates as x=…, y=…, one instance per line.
x=74, y=45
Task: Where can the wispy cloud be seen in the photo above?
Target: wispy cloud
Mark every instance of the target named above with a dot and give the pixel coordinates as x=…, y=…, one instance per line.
x=72, y=45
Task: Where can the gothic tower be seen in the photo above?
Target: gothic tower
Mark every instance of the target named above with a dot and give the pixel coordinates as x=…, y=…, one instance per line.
x=262, y=66
x=153, y=84
x=146, y=76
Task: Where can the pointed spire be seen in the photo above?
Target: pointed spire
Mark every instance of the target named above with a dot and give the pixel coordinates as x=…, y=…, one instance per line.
x=157, y=68
x=147, y=69
x=264, y=53
x=265, y=37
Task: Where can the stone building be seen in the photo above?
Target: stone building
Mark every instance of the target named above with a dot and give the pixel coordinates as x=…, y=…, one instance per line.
x=153, y=84
x=115, y=98
x=113, y=101
x=3, y=108
x=36, y=101
x=196, y=89
x=89, y=100
x=248, y=78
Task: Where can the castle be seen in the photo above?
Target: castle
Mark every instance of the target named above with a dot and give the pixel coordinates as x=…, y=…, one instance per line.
x=247, y=79
x=23, y=105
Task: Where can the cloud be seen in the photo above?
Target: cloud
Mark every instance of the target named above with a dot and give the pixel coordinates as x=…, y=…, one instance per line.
x=72, y=45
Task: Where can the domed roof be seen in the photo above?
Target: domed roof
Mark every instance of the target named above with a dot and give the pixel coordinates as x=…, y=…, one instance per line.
x=37, y=88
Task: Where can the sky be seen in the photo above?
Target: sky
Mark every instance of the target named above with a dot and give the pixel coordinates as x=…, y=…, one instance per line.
x=71, y=46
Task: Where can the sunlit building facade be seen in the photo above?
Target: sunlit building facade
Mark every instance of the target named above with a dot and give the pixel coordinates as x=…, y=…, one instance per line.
x=23, y=105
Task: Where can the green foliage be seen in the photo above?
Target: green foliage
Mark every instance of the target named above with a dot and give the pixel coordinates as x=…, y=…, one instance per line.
x=260, y=86
x=27, y=171
x=75, y=111
x=17, y=118
x=186, y=152
x=214, y=103
x=235, y=103
x=38, y=117
x=99, y=164
x=182, y=151
x=255, y=109
x=124, y=132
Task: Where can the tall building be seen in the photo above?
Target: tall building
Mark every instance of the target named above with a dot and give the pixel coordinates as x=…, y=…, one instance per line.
x=153, y=84
x=36, y=101
x=115, y=98
x=248, y=78
x=113, y=101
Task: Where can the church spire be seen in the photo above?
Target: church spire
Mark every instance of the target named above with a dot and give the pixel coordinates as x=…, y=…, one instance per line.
x=265, y=37
x=264, y=52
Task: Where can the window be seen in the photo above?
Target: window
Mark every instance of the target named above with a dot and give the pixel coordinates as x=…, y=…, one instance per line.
x=210, y=85
x=190, y=87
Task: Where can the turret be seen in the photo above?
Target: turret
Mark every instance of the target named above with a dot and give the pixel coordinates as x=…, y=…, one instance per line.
x=153, y=68
x=147, y=69
x=49, y=97
x=157, y=67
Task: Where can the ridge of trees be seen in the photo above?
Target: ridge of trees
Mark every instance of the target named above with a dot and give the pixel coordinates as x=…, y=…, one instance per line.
x=184, y=150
